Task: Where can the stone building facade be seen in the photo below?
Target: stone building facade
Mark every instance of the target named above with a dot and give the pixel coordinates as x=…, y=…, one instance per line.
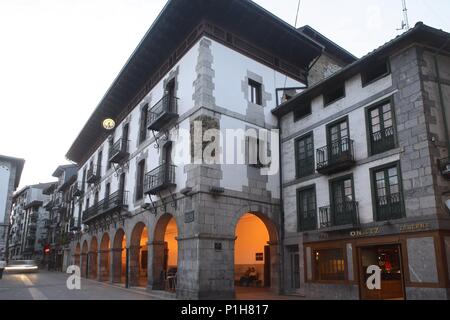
x=28, y=220
x=154, y=212
x=377, y=193
x=10, y=174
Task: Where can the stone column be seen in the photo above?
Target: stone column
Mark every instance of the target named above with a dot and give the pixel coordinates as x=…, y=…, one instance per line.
x=206, y=267
x=116, y=268
x=111, y=265
x=275, y=274
x=133, y=271
x=156, y=252
x=100, y=265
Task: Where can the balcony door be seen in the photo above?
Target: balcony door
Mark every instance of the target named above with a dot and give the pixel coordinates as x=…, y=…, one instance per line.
x=170, y=96
x=342, y=201
x=338, y=140
x=167, y=161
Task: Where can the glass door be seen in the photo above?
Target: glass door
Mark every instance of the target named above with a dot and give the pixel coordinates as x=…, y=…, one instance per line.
x=388, y=259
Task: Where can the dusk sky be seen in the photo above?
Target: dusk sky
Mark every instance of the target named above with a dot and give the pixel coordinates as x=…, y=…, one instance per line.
x=58, y=58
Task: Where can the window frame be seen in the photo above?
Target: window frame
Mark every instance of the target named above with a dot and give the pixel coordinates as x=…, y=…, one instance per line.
x=253, y=84
x=296, y=141
x=143, y=132
x=369, y=132
x=314, y=265
x=307, y=105
x=365, y=82
x=140, y=173
x=327, y=102
x=298, y=192
x=374, y=189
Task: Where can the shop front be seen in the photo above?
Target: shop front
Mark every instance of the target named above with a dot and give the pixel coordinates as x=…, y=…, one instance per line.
x=377, y=264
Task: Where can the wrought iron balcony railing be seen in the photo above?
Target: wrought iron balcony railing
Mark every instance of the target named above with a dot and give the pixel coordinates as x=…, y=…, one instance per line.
x=93, y=174
x=336, y=156
x=159, y=179
x=340, y=214
x=77, y=190
x=115, y=201
x=382, y=141
x=119, y=151
x=162, y=112
x=390, y=207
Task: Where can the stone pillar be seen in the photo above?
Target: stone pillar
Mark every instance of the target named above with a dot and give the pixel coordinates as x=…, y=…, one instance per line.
x=275, y=271
x=116, y=267
x=111, y=265
x=206, y=267
x=133, y=271
x=99, y=265
x=156, y=252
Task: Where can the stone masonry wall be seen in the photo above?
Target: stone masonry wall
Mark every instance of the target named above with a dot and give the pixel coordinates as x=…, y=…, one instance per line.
x=412, y=131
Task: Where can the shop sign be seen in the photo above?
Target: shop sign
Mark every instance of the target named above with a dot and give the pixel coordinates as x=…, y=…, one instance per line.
x=415, y=227
x=365, y=232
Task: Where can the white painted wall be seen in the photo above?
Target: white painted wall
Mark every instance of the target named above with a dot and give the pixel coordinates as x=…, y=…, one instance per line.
x=231, y=69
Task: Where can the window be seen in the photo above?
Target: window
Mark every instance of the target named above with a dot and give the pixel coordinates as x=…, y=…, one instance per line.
x=329, y=265
x=84, y=179
x=306, y=209
x=333, y=95
x=381, y=128
x=304, y=156
x=257, y=148
x=374, y=72
x=343, y=205
x=339, y=143
x=302, y=111
x=99, y=163
x=140, y=180
x=388, y=193
x=254, y=92
x=143, y=125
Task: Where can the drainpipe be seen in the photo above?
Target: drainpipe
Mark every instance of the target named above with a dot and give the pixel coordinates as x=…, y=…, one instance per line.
x=441, y=94
x=282, y=262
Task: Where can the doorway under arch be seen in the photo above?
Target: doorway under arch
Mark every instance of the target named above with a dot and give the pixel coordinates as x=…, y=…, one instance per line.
x=104, y=257
x=119, y=257
x=93, y=259
x=84, y=259
x=139, y=256
x=165, y=254
x=255, y=252
x=77, y=255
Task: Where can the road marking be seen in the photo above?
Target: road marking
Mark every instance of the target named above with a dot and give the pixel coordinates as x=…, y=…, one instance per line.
x=36, y=294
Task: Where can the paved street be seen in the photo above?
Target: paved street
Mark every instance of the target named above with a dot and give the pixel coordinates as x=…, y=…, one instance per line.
x=52, y=286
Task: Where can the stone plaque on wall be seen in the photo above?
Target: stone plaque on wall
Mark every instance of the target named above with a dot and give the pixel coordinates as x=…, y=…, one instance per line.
x=189, y=217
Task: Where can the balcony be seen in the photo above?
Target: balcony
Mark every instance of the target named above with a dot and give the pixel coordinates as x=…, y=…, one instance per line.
x=342, y=215
x=77, y=191
x=444, y=167
x=390, y=207
x=336, y=156
x=119, y=151
x=48, y=205
x=159, y=179
x=93, y=174
x=382, y=141
x=162, y=113
x=114, y=202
